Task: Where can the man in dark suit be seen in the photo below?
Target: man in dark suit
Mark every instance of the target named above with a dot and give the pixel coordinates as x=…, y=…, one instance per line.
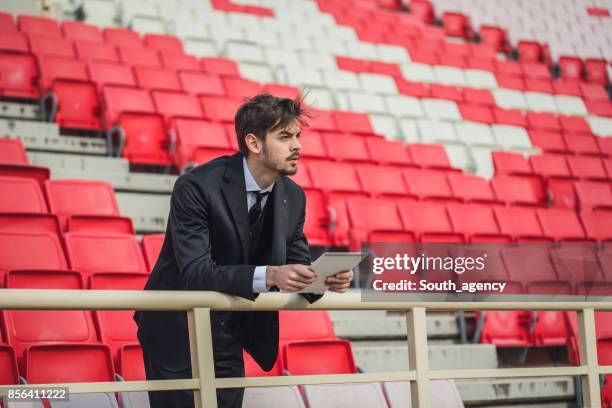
x=235, y=226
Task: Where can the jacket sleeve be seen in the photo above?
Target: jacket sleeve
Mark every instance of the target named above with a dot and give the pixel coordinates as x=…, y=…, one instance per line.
x=297, y=249
x=191, y=244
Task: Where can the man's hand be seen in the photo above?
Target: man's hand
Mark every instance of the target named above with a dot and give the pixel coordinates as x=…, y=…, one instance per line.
x=340, y=282
x=289, y=278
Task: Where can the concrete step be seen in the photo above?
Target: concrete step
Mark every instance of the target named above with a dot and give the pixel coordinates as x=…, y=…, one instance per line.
x=122, y=181
x=384, y=325
x=80, y=163
x=149, y=212
x=18, y=110
x=382, y=356
x=43, y=136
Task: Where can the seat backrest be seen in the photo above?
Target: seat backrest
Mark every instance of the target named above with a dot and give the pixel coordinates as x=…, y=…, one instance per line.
x=388, y=151
x=220, y=66
x=550, y=165
x=61, y=363
x=561, y=224
x=346, y=147
x=19, y=73
x=529, y=263
x=429, y=156
x=519, y=223
x=43, y=45
x=39, y=25
x=587, y=167
x=19, y=250
x=166, y=43
x=598, y=225
x=118, y=99
x=93, y=51
x=192, y=133
x=319, y=357
x=427, y=219
x=220, y=109
x=514, y=190
x=9, y=373
x=110, y=73
x=138, y=57
x=470, y=188
x=240, y=87
x=428, y=184
x=200, y=83
x=305, y=325
x=130, y=364
x=170, y=104
x=510, y=163
x=380, y=180
x=122, y=36
x=157, y=78
x=12, y=151
x=475, y=221
x=334, y=176
x=353, y=122
x=151, y=247
x=21, y=195
x=372, y=215
x=52, y=68
x=368, y=395
x=77, y=30
x=593, y=194
x=88, y=252
x=14, y=42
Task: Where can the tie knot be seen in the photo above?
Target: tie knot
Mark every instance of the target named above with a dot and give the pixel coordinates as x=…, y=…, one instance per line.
x=260, y=195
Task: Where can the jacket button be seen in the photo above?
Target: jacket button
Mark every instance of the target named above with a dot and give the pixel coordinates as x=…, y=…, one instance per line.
x=221, y=322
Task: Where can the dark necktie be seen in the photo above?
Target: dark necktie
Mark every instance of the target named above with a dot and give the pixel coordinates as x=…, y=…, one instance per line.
x=255, y=210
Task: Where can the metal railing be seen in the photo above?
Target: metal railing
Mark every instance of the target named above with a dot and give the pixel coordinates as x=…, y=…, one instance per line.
x=204, y=384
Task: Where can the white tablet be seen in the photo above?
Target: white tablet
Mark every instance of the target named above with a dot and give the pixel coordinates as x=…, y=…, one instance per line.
x=330, y=263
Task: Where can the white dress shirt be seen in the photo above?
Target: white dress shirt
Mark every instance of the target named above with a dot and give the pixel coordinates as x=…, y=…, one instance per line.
x=259, y=277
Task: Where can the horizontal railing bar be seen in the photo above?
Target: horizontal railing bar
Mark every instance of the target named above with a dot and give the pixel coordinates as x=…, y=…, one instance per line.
x=117, y=386
x=314, y=379
x=604, y=369
x=32, y=299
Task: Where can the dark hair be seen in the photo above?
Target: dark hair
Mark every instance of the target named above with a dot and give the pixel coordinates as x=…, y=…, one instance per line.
x=263, y=113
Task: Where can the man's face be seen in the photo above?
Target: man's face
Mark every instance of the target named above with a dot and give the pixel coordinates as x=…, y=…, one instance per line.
x=281, y=150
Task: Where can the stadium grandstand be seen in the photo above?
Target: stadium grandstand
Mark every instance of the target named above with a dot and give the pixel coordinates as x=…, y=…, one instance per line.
x=434, y=121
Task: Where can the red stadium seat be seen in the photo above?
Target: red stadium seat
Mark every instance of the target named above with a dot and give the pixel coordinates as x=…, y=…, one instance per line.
x=574, y=124
x=530, y=51
x=416, y=89
x=7, y=23
x=519, y=223
x=456, y=24
x=508, y=68
x=9, y=373
x=312, y=145
x=29, y=327
x=88, y=252
x=151, y=247
x=429, y=185
x=386, y=68
x=322, y=120
x=352, y=64
x=219, y=66
x=388, y=152
x=429, y=156
x=605, y=146
x=12, y=152
x=422, y=10
x=514, y=190
x=305, y=325
x=18, y=73
x=317, y=221
x=511, y=163
x=597, y=225
x=596, y=71
x=14, y=42
x=479, y=97
x=506, y=328
x=346, y=148
x=122, y=37
x=76, y=30
x=109, y=73
x=203, y=155
x=165, y=43
x=593, y=93
x=118, y=99
x=55, y=68
x=240, y=87
x=593, y=195
x=21, y=195
x=428, y=222
x=509, y=117
x=280, y=91
x=571, y=68
x=39, y=26
x=374, y=221
x=582, y=143
x=220, y=109
x=383, y=182
x=536, y=71
x=476, y=222
x=142, y=139
x=319, y=357
x=77, y=105
x=40, y=174
x=92, y=51
x=352, y=122
x=562, y=225
x=494, y=37
x=157, y=78
x=179, y=61
x=67, y=363
x=543, y=121
x=116, y=327
x=476, y=113
x=548, y=141
x=143, y=57
x=100, y=224
x=584, y=167
x=200, y=83
x=561, y=87
x=472, y=189
x=451, y=93
x=130, y=365
x=550, y=165
x=80, y=197
x=42, y=45
x=193, y=133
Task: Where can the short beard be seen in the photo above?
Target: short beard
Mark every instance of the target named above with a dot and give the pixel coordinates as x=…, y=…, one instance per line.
x=272, y=164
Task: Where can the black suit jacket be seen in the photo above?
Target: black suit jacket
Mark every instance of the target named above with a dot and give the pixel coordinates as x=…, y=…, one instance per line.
x=206, y=247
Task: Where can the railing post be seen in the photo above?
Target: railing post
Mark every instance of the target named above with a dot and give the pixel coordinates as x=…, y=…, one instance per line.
x=202, y=360
x=418, y=357
x=587, y=344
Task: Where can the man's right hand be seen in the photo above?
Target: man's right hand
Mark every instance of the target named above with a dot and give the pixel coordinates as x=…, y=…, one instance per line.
x=290, y=278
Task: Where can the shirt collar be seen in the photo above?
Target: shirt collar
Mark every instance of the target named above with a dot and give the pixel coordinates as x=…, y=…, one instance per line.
x=249, y=180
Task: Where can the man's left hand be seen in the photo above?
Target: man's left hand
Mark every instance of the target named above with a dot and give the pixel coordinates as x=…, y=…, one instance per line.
x=340, y=282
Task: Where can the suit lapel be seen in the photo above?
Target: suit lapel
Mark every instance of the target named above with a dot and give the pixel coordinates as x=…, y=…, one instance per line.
x=279, y=227
x=234, y=193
